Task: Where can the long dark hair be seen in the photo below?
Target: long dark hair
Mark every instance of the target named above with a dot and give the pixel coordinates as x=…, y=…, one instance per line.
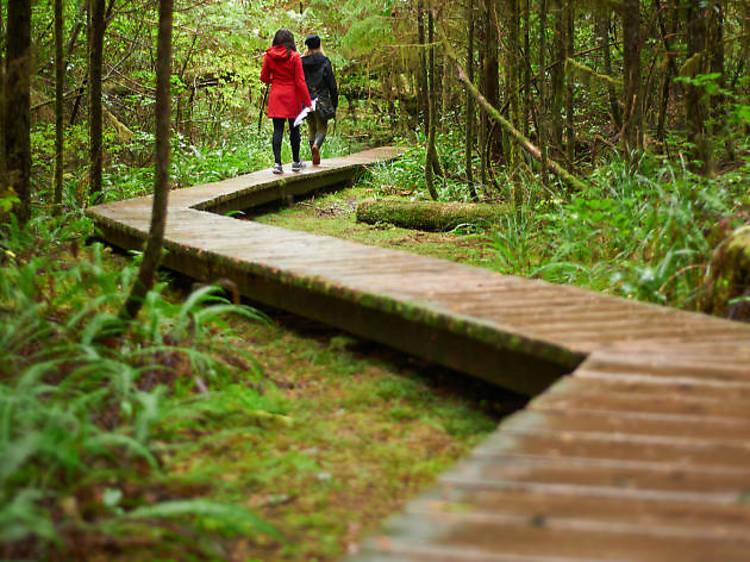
x=286, y=38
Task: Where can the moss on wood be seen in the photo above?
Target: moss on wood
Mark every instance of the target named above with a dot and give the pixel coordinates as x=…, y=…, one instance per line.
x=729, y=277
x=431, y=216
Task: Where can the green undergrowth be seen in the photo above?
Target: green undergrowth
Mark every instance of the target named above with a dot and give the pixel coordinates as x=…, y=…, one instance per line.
x=647, y=231
x=130, y=173
x=208, y=430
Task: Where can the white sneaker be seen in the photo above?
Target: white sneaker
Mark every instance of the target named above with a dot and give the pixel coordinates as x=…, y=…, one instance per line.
x=277, y=169
x=297, y=166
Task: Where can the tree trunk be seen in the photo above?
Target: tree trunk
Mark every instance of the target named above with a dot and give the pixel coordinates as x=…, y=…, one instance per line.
x=3, y=154
x=526, y=69
x=423, y=96
x=715, y=48
x=512, y=71
x=570, y=94
x=491, y=78
x=542, y=125
x=603, y=22
x=669, y=72
x=631, y=37
x=430, y=155
x=18, y=105
x=557, y=77
x=483, y=120
x=96, y=44
x=696, y=106
x=470, y=115
x=152, y=254
x=59, y=92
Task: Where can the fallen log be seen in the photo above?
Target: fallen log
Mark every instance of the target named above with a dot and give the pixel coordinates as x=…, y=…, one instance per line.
x=431, y=216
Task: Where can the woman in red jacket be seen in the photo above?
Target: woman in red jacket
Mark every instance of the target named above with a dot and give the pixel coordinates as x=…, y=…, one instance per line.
x=282, y=68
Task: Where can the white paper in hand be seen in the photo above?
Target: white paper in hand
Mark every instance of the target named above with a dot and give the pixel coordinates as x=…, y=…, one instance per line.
x=302, y=116
x=304, y=113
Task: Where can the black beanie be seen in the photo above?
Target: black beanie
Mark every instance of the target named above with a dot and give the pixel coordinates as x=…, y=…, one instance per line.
x=313, y=42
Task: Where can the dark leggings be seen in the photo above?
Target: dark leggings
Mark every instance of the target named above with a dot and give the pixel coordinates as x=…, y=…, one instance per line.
x=278, y=135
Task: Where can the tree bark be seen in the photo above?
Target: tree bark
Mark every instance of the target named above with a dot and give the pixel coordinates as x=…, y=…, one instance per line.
x=152, y=254
x=557, y=77
x=491, y=78
x=669, y=72
x=696, y=106
x=470, y=114
x=631, y=36
x=96, y=45
x=512, y=72
x=59, y=92
x=18, y=105
x=526, y=69
x=570, y=93
x=3, y=154
x=542, y=124
x=715, y=48
x=423, y=95
x=430, y=154
x=603, y=22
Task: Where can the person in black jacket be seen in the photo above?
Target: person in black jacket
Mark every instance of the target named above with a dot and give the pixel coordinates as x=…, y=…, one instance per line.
x=322, y=85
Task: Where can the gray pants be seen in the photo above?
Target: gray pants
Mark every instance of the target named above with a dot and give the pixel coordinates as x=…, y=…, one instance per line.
x=316, y=129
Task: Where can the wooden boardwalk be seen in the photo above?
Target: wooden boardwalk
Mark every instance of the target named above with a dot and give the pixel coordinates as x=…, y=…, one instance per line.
x=640, y=449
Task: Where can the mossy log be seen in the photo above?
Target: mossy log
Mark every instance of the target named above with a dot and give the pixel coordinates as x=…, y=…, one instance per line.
x=428, y=215
x=729, y=277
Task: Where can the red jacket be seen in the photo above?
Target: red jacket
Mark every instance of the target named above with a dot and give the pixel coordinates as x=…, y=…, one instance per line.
x=288, y=89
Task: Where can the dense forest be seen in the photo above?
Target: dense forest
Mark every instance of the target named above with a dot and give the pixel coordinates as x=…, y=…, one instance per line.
x=610, y=139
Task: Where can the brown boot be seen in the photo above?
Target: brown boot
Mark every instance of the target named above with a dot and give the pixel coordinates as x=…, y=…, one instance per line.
x=315, y=155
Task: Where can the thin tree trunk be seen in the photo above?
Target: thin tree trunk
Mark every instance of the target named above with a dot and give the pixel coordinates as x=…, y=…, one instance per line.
x=603, y=22
x=483, y=121
x=525, y=143
x=557, y=77
x=423, y=95
x=59, y=89
x=526, y=69
x=492, y=77
x=96, y=45
x=470, y=116
x=631, y=37
x=430, y=155
x=152, y=254
x=3, y=154
x=669, y=73
x=18, y=105
x=512, y=70
x=696, y=106
x=715, y=48
x=570, y=94
x=542, y=124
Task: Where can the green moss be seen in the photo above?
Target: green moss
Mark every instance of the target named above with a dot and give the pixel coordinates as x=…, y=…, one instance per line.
x=431, y=216
x=368, y=433
x=730, y=276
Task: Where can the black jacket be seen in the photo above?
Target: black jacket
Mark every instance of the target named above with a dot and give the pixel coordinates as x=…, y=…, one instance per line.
x=319, y=77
